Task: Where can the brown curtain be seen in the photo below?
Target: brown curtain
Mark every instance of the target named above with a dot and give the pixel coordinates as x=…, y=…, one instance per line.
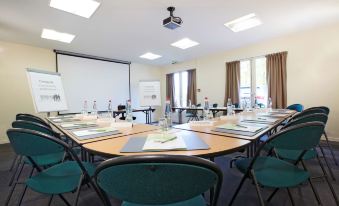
x=232, y=81
x=170, y=87
x=192, y=87
x=276, y=79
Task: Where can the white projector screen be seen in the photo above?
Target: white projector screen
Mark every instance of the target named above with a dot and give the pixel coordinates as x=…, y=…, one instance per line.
x=90, y=79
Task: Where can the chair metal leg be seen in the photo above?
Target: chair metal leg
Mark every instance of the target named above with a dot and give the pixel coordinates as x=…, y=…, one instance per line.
x=238, y=189
x=78, y=191
x=10, y=193
x=330, y=147
x=24, y=191
x=257, y=188
x=13, y=162
x=312, y=186
x=272, y=195
x=64, y=200
x=326, y=162
x=291, y=197
x=50, y=200
x=15, y=171
x=328, y=182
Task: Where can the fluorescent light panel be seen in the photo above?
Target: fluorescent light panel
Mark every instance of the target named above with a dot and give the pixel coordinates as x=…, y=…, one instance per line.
x=57, y=36
x=185, y=43
x=243, y=23
x=84, y=8
x=150, y=56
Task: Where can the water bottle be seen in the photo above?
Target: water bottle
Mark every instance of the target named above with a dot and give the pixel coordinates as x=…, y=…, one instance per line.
x=206, y=109
x=95, y=109
x=129, y=114
x=269, y=104
x=189, y=103
x=256, y=105
x=229, y=107
x=109, y=108
x=168, y=113
x=85, y=108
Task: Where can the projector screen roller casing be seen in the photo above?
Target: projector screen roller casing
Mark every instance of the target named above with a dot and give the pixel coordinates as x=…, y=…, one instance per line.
x=90, y=79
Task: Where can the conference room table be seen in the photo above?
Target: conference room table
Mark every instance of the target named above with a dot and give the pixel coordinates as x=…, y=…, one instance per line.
x=214, y=110
x=220, y=143
x=137, y=128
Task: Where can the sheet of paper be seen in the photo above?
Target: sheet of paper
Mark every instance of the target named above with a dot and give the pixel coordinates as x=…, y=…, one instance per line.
x=74, y=125
x=201, y=123
x=260, y=119
x=240, y=127
x=153, y=144
x=87, y=132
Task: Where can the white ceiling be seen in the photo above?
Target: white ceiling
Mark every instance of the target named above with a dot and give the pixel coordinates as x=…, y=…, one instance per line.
x=126, y=29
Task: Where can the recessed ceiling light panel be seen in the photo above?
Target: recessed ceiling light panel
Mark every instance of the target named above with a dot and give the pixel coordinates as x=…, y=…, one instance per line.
x=57, y=36
x=150, y=56
x=185, y=43
x=84, y=8
x=244, y=23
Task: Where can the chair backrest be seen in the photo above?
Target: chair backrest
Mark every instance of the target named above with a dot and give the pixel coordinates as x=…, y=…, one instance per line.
x=30, y=143
x=158, y=179
x=301, y=137
x=316, y=117
x=312, y=110
x=33, y=126
x=215, y=105
x=296, y=107
x=326, y=109
x=31, y=118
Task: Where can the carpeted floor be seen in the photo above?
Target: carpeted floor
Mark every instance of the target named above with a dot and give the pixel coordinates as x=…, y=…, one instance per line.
x=302, y=195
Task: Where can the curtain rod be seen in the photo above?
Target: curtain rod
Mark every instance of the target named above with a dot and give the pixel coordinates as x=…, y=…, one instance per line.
x=258, y=56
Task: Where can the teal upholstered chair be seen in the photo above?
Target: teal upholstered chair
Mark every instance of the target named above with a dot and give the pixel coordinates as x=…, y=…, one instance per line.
x=323, y=110
x=58, y=179
x=292, y=155
x=32, y=118
x=41, y=160
x=272, y=172
x=296, y=107
x=159, y=180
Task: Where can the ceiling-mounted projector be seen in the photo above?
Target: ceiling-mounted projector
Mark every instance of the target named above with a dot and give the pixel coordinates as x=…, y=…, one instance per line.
x=172, y=22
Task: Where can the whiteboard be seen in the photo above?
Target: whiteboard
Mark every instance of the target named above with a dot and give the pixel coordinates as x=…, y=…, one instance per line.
x=149, y=93
x=46, y=90
x=91, y=79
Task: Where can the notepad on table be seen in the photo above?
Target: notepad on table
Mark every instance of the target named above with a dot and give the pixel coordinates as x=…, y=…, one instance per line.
x=164, y=141
x=240, y=127
x=78, y=125
x=96, y=131
x=261, y=120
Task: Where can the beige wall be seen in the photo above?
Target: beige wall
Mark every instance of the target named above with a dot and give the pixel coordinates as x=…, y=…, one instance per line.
x=312, y=69
x=141, y=72
x=14, y=90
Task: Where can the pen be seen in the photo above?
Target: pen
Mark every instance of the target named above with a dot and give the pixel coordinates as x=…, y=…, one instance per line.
x=238, y=125
x=173, y=138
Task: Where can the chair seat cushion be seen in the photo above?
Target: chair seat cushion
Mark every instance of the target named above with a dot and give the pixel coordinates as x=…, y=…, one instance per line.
x=58, y=179
x=48, y=159
x=273, y=172
x=294, y=154
x=196, y=201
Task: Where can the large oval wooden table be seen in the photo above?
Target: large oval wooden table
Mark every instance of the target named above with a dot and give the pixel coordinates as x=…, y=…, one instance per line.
x=219, y=145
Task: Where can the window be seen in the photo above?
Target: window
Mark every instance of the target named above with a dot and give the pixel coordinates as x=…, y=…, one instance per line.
x=180, y=88
x=253, y=80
